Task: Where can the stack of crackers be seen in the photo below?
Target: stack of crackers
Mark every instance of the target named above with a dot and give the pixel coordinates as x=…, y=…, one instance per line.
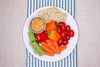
x=52, y=13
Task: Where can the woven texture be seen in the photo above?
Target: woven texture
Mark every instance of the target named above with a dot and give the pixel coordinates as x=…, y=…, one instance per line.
x=69, y=61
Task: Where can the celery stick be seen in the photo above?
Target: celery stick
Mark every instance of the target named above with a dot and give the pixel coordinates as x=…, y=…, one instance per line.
x=29, y=29
x=31, y=36
x=36, y=47
x=35, y=51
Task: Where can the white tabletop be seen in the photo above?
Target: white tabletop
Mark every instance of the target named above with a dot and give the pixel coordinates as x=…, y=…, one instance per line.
x=12, y=19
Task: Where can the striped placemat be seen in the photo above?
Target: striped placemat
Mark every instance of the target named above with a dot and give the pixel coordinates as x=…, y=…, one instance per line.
x=69, y=61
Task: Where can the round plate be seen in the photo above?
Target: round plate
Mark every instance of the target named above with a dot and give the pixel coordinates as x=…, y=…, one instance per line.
x=71, y=45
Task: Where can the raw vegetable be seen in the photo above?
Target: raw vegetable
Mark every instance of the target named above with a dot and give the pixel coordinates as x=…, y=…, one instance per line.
x=51, y=26
x=47, y=49
x=63, y=35
x=60, y=42
x=68, y=29
x=65, y=42
x=51, y=45
x=57, y=47
x=49, y=54
x=63, y=48
x=63, y=28
x=31, y=35
x=45, y=44
x=37, y=49
x=59, y=30
x=65, y=32
x=34, y=44
x=68, y=37
x=41, y=37
x=71, y=33
x=61, y=23
x=53, y=35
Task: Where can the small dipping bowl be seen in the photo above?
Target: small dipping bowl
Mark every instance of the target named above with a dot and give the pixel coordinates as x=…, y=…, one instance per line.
x=42, y=29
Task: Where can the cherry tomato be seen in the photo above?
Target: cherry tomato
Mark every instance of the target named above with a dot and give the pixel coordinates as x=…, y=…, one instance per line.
x=59, y=30
x=68, y=37
x=68, y=29
x=59, y=26
x=71, y=33
x=63, y=28
x=65, y=42
x=68, y=34
x=62, y=23
x=60, y=42
x=63, y=35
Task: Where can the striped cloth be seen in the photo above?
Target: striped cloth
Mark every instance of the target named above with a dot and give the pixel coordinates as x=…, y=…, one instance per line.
x=69, y=61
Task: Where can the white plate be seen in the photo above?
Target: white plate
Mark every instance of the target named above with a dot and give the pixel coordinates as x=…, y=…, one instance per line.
x=71, y=45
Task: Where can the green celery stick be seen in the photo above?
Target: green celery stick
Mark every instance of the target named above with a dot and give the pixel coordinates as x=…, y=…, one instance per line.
x=37, y=48
x=32, y=36
x=29, y=29
x=34, y=49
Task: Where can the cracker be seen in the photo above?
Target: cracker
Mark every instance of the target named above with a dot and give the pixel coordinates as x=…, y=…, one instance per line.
x=52, y=13
x=59, y=17
x=65, y=16
x=53, y=9
x=46, y=17
x=41, y=12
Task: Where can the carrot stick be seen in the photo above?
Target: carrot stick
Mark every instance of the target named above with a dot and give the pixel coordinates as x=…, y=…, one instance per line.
x=57, y=47
x=51, y=45
x=44, y=43
x=46, y=48
x=63, y=48
x=49, y=54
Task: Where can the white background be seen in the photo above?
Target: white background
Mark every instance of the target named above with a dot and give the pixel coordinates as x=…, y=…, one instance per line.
x=12, y=18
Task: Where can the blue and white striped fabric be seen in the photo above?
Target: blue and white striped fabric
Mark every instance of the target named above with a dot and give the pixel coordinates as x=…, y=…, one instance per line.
x=69, y=61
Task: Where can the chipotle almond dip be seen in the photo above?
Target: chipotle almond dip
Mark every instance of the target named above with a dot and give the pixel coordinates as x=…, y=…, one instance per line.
x=37, y=24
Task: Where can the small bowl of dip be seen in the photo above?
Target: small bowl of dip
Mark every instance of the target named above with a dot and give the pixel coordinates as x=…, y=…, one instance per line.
x=37, y=25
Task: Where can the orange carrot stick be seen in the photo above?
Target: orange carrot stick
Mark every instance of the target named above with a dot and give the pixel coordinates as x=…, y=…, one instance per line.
x=57, y=47
x=44, y=43
x=49, y=54
x=63, y=48
x=46, y=48
x=51, y=45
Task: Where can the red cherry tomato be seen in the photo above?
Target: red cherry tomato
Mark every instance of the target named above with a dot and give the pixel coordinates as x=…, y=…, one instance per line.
x=59, y=30
x=59, y=26
x=62, y=23
x=63, y=28
x=60, y=42
x=63, y=35
x=68, y=29
x=71, y=33
x=65, y=42
x=68, y=34
x=68, y=37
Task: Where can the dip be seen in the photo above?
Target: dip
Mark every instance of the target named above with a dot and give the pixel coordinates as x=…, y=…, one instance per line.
x=37, y=24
